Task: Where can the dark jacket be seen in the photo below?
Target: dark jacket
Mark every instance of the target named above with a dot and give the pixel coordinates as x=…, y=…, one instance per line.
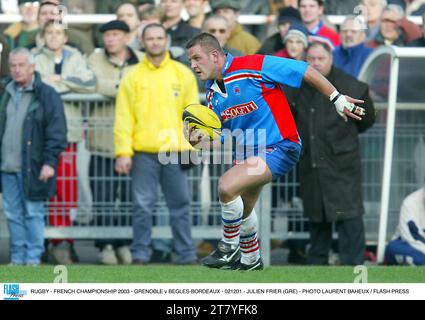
x=44, y=138
x=330, y=169
x=272, y=44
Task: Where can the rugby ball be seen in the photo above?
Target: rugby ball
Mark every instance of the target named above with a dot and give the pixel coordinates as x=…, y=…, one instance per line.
x=203, y=119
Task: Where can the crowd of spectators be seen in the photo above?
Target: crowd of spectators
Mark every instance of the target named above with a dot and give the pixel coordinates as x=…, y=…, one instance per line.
x=87, y=59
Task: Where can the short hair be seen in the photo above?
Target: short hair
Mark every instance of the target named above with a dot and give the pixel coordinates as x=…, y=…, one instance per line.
x=323, y=45
x=24, y=51
x=383, y=2
x=152, y=11
x=355, y=19
x=213, y=17
x=321, y=3
x=153, y=25
x=205, y=40
x=127, y=2
x=395, y=7
x=53, y=23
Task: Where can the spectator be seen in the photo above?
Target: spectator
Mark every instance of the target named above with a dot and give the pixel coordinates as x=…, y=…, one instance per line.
x=196, y=10
x=394, y=28
x=22, y=34
x=420, y=42
x=338, y=7
x=372, y=12
x=49, y=11
x=5, y=50
x=149, y=109
x=150, y=14
x=28, y=171
x=256, y=7
x=416, y=8
x=276, y=5
x=239, y=39
x=352, y=53
x=408, y=244
x=311, y=14
x=218, y=26
x=179, y=30
x=296, y=42
x=109, y=64
x=128, y=13
x=65, y=69
x=287, y=17
x=330, y=168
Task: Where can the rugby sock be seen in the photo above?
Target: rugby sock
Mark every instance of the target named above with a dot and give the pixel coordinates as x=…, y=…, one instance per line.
x=231, y=214
x=250, y=249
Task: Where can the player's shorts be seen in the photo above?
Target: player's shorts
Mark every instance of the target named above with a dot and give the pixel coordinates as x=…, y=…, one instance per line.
x=280, y=157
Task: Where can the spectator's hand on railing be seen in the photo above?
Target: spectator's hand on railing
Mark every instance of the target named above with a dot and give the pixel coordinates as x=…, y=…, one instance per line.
x=123, y=165
x=46, y=173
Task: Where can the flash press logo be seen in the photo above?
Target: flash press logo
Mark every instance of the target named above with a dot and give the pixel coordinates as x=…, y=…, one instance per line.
x=11, y=291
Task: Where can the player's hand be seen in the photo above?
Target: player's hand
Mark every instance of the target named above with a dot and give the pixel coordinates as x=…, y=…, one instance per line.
x=46, y=173
x=123, y=165
x=346, y=106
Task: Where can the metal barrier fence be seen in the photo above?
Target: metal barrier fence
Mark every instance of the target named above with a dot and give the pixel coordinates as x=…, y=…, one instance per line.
x=102, y=206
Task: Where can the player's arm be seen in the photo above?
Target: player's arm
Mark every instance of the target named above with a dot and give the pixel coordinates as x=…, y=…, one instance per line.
x=344, y=105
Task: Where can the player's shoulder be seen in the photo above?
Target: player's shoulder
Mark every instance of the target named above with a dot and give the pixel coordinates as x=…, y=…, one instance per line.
x=251, y=62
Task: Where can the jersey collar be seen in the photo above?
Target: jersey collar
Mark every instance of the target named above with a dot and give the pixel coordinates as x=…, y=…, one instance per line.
x=210, y=84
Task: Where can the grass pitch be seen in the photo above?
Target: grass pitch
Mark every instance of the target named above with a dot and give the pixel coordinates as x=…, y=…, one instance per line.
x=199, y=274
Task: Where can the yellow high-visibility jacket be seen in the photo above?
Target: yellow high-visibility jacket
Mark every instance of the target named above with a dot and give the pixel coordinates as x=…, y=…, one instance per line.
x=149, y=108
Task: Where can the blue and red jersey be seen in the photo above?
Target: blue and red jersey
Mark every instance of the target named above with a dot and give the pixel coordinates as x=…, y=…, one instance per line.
x=254, y=101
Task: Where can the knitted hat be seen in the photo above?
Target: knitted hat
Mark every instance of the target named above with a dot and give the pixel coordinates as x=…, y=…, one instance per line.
x=299, y=31
x=288, y=14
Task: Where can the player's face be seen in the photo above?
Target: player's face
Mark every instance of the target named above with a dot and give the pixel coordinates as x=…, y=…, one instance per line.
x=155, y=41
x=320, y=59
x=202, y=63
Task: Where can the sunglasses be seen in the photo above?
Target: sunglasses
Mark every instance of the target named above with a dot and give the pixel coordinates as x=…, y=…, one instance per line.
x=217, y=31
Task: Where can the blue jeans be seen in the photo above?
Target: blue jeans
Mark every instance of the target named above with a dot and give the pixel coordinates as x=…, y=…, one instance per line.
x=25, y=221
x=147, y=173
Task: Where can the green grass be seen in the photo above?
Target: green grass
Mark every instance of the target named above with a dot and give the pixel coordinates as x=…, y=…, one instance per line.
x=199, y=274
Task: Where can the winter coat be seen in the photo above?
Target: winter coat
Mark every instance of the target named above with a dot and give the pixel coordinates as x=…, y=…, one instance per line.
x=76, y=78
x=330, y=168
x=43, y=139
x=101, y=122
